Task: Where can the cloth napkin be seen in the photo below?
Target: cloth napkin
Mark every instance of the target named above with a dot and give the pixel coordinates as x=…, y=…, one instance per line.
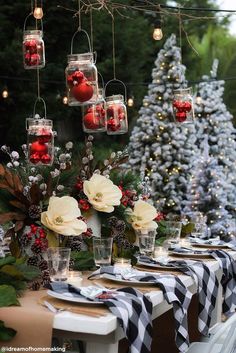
x=207, y=287
x=132, y=308
x=228, y=281
x=174, y=292
x=183, y=250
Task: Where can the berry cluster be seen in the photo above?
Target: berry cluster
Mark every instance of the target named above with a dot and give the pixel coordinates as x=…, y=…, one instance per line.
x=182, y=108
x=128, y=197
x=39, y=151
x=94, y=117
x=116, y=114
x=37, y=238
x=33, y=53
x=80, y=87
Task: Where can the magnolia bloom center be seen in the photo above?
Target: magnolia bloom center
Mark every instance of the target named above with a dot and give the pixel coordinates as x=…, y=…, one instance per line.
x=59, y=220
x=98, y=197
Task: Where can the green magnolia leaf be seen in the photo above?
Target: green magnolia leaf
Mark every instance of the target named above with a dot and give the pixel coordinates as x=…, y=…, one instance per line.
x=8, y=296
x=187, y=229
x=7, y=260
x=53, y=240
x=6, y=333
x=19, y=285
x=15, y=248
x=28, y=272
x=12, y=271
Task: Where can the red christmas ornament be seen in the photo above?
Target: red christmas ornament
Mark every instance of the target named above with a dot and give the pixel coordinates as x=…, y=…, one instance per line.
x=121, y=116
x=91, y=121
x=44, y=136
x=111, y=110
x=31, y=46
x=70, y=81
x=181, y=116
x=46, y=159
x=187, y=106
x=34, y=59
x=39, y=148
x=83, y=92
x=34, y=158
x=78, y=76
x=113, y=125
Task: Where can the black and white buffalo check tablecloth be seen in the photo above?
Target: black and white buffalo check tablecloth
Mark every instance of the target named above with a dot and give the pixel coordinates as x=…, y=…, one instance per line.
x=174, y=292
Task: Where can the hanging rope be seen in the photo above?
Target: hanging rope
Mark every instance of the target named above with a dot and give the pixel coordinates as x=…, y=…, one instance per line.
x=113, y=47
x=91, y=27
x=79, y=14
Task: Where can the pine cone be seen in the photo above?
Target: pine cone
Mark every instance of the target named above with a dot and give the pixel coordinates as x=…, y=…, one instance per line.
x=34, y=211
x=71, y=264
x=33, y=261
x=36, y=249
x=24, y=241
x=76, y=246
x=112, y=221
x=45, y=279
x=126, y=245
x=120, y=226
x=35, y=285
x=43, y=265
x=118, y=239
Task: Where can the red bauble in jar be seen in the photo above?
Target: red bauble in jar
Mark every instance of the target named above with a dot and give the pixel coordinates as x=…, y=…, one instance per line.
x=40, y=141
x=116, y=115
x=94, y=115
x=183, y=106
x=181, y=116
x=82, y=92
x=33, y=49
x=91, y=121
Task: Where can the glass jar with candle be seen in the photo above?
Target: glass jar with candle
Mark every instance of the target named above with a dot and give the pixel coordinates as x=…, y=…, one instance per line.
x=94, y=115
x=33, y=49
x=116, y=113
x=183, y=105
x=81, y=79
x=40, y=141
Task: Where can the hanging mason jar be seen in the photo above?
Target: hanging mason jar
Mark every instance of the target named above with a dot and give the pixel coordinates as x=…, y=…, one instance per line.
x=40, y=140
x=33, y=47
x=183, y=106
x=116, y=112
x=81, y=77
x=94, y=115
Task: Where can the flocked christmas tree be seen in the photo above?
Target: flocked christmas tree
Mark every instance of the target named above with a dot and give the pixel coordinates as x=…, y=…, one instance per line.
x=159, y=147
x=207, y=193
x=215, y=121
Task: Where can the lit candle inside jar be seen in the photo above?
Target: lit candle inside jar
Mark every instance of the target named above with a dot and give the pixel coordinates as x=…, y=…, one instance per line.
x=74, y=278
x=160, y=252
x=122, y=262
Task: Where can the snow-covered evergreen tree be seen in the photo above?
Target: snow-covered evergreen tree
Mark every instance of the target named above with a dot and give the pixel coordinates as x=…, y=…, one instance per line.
x=158, y=146
x=207, y=193
x=215, y=121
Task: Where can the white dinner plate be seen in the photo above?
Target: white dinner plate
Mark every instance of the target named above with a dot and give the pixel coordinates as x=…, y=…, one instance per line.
x=215, y=246
x=159, y=266
x=204, y=254
x=68, y=297
x=126, y=281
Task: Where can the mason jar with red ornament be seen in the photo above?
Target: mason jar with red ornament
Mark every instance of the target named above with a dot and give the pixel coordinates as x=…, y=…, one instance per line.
x=33, y=49
x=94, y=115
x=183, y=106
x=81, y=79
x=116, y=114
x=40, y=141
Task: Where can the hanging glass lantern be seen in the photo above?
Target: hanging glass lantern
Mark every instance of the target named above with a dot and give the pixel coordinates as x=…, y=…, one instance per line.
x=81, y=77
x=33, y=49
x=116, y=112
x=94, y=115
x=40, y=139
x=183, y=106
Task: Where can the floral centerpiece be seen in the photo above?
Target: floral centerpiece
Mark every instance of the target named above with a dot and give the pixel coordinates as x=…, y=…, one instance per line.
x=43, y=207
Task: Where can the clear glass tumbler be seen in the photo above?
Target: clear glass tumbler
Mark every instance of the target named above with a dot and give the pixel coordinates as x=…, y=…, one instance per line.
x=146, y=241
x=58, y=263
x=102, y=250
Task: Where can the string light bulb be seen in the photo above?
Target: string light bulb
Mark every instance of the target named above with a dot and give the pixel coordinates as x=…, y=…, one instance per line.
x=157, y=32
x=38, y=11
x=130, y=102
x=5, y=93
x=198, y=98
x=65, y=100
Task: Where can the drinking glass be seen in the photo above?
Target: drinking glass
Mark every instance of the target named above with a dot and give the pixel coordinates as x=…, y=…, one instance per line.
x=146, y=240
x=58, y=263
x=172, y=232
x=200, y=230
x=102, y=250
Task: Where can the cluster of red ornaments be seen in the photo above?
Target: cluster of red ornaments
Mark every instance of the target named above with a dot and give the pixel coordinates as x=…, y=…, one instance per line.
x=39, y=152
x=94, y=118
x=81, y=88
x=181, y=110
x=115, y=116
x=33, y=53
x=38, y=236
x=128, y=197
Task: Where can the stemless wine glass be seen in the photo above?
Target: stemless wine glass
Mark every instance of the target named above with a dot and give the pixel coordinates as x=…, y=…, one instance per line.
x=58, y=263
x=172, y=232
x=146, y=241
x=102, y=250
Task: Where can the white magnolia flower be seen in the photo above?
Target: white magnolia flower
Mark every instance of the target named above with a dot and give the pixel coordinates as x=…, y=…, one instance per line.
x=102, y=193
x=142, y=216
x=61, y=216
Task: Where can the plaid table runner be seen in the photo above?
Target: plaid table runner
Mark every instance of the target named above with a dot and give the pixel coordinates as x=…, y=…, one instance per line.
x=132, y=308
x=174, y=292
x=207, y=287
x=228, y=281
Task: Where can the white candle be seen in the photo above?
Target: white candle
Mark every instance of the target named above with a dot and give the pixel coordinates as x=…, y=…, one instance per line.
x=74, y=278
x=122, y=262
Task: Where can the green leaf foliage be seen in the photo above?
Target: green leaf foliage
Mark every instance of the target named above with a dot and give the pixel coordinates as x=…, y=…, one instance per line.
x=6, y=333
x=8, y=296
x=83, y=260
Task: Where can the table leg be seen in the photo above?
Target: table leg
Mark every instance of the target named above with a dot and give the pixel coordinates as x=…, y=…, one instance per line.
x=93, y=347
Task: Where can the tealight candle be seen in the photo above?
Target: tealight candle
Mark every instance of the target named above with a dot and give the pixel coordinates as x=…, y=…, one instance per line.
x=160, y=252
x=74, y=278
x=122, y=262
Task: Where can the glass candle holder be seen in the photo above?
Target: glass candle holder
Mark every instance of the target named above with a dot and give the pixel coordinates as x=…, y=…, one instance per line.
x=116, y=113
x=94, y=115
x=122, y=262
x=74, y=278
x=33, y=49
